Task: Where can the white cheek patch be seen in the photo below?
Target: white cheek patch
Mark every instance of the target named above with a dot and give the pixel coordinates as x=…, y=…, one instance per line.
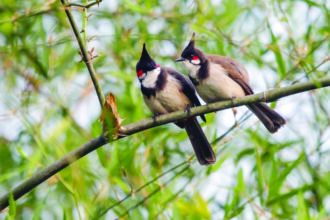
x=192, y=68
x=142, y=76
x=196, y=62
x=150, y=78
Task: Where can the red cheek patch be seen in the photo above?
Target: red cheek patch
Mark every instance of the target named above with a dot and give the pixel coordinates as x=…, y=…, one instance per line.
x=157, y=65
x=139, y=73
x=195, y=58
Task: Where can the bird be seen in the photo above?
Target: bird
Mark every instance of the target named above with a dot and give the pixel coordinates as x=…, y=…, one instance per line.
x=165, y=90
x=219, y=78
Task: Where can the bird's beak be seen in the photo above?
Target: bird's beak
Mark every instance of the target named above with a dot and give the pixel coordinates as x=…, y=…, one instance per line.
x=180, y=59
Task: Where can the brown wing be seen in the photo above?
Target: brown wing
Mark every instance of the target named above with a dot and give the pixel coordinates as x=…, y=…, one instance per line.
x=246, y=87
x=235, y=70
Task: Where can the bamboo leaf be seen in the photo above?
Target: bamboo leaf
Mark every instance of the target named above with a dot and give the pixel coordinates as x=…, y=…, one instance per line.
x=291, y=193
x=275, y=185
x=12, y=205
x=303, y=213
x=277, y=52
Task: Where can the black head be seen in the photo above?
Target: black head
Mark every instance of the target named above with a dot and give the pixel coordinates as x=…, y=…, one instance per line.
x=192, y=54
x=145, y=64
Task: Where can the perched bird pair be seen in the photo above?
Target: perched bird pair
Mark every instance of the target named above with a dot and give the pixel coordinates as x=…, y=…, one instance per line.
x=215, y=78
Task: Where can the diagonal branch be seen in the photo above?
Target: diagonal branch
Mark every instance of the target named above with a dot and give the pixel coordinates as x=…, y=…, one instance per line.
x=268, y=96
x=84, y=53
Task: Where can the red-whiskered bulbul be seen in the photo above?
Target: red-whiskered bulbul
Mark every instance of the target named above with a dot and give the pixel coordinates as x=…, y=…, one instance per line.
x=218, y=78
x=165, y=90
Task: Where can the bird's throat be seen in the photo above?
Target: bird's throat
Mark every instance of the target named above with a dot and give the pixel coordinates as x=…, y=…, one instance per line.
x=151, y=78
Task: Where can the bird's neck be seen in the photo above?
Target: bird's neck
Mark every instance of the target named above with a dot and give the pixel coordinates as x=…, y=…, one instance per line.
x=204, y=72
x=198, y=72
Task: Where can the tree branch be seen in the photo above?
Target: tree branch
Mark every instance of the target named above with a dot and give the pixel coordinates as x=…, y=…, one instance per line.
x=84, y=53
x=133, y=128
x=268, y=96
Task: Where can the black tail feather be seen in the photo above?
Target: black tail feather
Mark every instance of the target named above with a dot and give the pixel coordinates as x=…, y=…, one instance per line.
x=270, y=118
x=202, y=147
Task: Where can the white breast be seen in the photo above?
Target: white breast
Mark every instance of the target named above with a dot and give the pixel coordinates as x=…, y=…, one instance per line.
x=218, y=86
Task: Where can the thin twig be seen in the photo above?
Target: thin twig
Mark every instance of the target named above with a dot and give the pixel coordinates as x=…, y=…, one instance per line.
x=83, y=6
x=84, y=25
x=41, y=176
x=313, y=69
x=139, y=189
x=173, y=197
x=244, y=117
x=84, y=53
x=155, y=191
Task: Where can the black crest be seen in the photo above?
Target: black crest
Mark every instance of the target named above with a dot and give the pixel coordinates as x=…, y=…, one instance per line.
x=146, y=63
x=189, y=51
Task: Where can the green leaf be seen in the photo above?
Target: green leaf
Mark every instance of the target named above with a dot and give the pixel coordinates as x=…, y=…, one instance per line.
x=275, y=185
x=260, y=175
x=218, y=164
x=102, y=156
x=277, y=52
x=12, y=205
x=240, y=181
x=135, y=7
x=96, y=128
x=302, y=210
x=38, y=210
x=290, y=194
x=244, y=153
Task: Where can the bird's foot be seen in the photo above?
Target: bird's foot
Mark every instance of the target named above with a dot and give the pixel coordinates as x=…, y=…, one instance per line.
x=233, y=100
x=188, y=109
x=154, y=117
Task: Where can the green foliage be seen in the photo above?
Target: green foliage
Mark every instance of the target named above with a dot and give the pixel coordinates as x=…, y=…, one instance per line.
x=48, y=107
x=12, y=206
x=192, y=208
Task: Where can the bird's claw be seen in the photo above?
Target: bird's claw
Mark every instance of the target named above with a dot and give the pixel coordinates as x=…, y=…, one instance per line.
x=154, y=117
x=233, y=100
x=188, y=109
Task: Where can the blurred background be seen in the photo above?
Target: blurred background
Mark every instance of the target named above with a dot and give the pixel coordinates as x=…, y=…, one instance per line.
x=48, y=107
